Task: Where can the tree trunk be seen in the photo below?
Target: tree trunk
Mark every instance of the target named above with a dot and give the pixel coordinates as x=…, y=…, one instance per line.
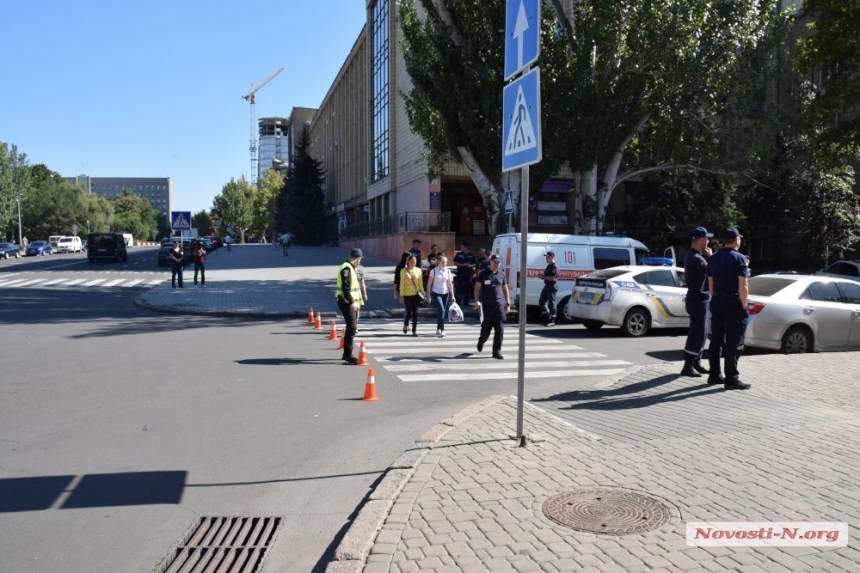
x=492, y=196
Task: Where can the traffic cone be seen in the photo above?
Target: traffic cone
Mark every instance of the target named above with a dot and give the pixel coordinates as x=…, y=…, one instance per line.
x=342, y=336
x=362, y=355
x=332, y=334
x=318, y=322
x=370, y=388
x=311, y=316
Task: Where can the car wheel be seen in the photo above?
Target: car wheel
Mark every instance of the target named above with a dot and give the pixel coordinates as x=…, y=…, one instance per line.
x=592, y=325
x=797, y=340
x=561, y=310
x=636, y=322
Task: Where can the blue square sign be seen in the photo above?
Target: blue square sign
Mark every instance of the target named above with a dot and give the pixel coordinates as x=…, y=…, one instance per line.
x=521, y=142
x=180, y=220
x=522, y=35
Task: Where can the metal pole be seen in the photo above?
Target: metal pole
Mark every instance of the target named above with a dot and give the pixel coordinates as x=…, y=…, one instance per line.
x=20, y=236
x=524, y=241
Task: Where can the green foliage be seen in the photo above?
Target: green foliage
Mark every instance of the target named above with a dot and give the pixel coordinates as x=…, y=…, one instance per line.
x=203, y=223
x=133, y=214
x=833, y=50
x=56, y=207
x=234, y=206
x=265, y=203
x=301, y=203
x=14, y=180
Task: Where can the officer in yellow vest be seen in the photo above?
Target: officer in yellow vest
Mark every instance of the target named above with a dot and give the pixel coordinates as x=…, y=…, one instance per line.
x=348, y=300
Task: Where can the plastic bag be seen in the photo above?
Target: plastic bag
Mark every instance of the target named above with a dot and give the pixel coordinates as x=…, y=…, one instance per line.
x=455, y=314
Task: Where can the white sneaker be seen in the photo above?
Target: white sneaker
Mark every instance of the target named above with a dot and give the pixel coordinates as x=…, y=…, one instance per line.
x=438, y=333
x=442, y=334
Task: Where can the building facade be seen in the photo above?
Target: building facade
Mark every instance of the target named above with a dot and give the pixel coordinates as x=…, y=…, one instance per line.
x=157, y=190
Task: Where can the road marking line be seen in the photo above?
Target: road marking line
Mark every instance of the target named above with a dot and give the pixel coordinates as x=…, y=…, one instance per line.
x=74, y=282
x=30, y=282
x=447, y=342
x=505, y=375
x=498, y=365
x=113, y=283
x=94, y=283
x=55, y=282
x=513, y=348
x=13, y=283
x=132, y=282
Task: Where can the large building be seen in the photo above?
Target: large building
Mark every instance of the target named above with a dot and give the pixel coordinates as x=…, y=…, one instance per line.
x=278, y=137
x=158, y=190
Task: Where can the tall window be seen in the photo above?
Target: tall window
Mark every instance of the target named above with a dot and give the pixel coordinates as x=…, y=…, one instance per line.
x=380, y=138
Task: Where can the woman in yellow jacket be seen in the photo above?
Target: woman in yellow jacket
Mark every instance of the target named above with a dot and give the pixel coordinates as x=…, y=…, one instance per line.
x=411, y=292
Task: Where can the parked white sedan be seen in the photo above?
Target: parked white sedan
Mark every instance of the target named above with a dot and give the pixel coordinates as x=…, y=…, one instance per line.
x=799, y=313
x=637, y=298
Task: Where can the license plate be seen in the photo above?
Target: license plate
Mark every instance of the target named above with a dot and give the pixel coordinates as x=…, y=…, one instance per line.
x=585, y=298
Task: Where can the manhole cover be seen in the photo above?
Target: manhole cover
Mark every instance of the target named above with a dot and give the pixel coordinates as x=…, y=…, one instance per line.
x=606, y=511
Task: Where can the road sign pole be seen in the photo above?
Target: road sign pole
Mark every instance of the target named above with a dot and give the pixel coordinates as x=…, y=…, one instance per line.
x=524, y=241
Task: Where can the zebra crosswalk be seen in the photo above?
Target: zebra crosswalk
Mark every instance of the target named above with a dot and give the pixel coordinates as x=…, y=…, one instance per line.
x=71, y=282
x=426, y=358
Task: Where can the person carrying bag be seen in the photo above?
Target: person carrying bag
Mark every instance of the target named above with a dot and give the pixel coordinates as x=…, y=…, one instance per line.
x=440, y=286
x=412, y=293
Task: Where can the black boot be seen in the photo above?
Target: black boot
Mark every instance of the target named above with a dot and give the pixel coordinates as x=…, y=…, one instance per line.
x=699, y=367
x=688, y=369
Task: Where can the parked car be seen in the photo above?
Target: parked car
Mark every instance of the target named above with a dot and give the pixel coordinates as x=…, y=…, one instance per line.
x=798, y=313
x=69, y=245
x=9, y=250
x=167, y=246
x=38, y=248
x=216, y=241
x=106, y=246
x=847, y=269
x=635, y=297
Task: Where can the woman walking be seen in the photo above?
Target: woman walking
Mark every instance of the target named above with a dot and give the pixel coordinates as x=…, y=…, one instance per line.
x=412, y=293
x=440, y=288
x=400, y=266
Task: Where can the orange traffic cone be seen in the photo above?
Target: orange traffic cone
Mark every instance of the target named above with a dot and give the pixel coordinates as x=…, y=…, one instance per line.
x=370, y=388
x=311, y=316
x=362, y=355
x=332, y=334
x=342, y=336
x=318, y=322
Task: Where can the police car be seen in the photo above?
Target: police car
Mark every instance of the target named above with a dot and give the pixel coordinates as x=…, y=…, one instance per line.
x=635, y=297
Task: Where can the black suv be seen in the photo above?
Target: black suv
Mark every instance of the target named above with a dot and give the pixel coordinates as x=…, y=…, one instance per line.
x=106, y=246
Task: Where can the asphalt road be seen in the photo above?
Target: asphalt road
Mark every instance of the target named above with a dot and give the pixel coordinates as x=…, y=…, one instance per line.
x=119, y=427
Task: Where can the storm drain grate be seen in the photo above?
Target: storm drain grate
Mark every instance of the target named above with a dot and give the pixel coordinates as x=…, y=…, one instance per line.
x=224, y=544
x=606, y=511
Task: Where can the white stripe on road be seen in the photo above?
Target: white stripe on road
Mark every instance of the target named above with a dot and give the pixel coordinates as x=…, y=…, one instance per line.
x=94, y=283
x=474, y=365
x=475, y=356
x=385, y=351
x=157, y=282
x=448, y=342
x=30, y=282
x=54, y=282
x=13, y=283
x=133, y=282
x=74, y=282
x=113, y=283
x=506, y=375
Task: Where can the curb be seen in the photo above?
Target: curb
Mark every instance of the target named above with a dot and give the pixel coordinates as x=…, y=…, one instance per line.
x=351, y=554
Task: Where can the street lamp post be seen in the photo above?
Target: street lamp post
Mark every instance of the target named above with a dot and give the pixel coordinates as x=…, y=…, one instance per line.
x=20, y=236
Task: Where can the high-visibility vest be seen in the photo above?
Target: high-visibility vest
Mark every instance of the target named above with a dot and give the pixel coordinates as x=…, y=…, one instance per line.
x=354, y=289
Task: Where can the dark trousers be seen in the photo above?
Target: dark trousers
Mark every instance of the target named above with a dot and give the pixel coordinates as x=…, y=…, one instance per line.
x=697, y=307
x=463, y=291
x=547, y=299
x=728, y=326
x=175, y=271
x=351, y=327
x=201, y=268
x=494, y=319
x=410, y=304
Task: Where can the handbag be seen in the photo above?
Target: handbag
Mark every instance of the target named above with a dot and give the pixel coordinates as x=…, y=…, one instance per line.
x=420, y=294
x=455, y=314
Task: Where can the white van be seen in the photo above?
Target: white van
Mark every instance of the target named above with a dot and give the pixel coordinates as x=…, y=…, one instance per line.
x=69, y=245
x=575, y=255
x=54, y=239
x=129, y=240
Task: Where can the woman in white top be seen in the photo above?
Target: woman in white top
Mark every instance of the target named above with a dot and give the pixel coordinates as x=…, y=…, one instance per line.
x=440, y=288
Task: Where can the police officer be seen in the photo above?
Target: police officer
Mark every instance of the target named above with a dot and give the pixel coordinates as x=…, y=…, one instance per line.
x=491, y=295
x=728, y=283
x=550, y=289
x=416, y=250
x=465, y=263
x=696, y=301
x=348, y=301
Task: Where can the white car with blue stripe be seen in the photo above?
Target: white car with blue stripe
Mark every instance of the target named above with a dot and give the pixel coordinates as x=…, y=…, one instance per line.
x=636, y=297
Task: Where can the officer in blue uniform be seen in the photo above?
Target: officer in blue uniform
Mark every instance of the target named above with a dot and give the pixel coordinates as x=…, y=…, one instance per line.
x=493, y=298
x=696, y=301
x=728, y=283
x=549, y=291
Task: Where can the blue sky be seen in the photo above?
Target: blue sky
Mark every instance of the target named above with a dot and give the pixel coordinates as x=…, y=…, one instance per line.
x=153, y=88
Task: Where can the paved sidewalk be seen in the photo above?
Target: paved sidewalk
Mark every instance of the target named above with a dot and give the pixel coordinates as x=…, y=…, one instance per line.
x=467, y=498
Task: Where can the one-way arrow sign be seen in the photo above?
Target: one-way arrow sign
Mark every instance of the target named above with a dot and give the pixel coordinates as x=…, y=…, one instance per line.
x=522, y=35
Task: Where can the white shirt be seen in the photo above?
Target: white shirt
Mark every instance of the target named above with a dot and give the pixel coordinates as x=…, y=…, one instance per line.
x=440, y=280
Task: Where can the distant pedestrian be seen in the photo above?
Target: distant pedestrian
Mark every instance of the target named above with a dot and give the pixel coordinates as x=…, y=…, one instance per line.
x=431, y=264
x=696, y=301
x=465, y=263
x=359, y=272
x=550, y=289
x=728, y=283
x=416, y=251
x=177, y=261
x=229, y=240
x=348, y=295
x=440, y=289
x=286, y=242
x=25, y=242
x=200, y=264
x=400, y=266
x=494, y=300
x=412, y=293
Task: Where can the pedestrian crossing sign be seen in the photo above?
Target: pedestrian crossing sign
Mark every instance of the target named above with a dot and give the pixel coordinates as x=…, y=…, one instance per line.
x=521, y=126
x=180, y=220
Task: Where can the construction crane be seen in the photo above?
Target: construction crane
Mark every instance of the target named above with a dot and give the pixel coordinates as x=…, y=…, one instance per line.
x=251, y=98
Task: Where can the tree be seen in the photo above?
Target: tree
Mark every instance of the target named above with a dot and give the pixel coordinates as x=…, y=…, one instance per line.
x=133, y=214
x=234, y=204
x=202, y=222
x=302, y=201
x=834, y=51
x=55, y=207
x=265, y=203
x=14, y=180
x=627, y=88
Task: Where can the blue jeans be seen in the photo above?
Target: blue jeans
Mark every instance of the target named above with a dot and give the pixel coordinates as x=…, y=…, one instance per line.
x=440, y=301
